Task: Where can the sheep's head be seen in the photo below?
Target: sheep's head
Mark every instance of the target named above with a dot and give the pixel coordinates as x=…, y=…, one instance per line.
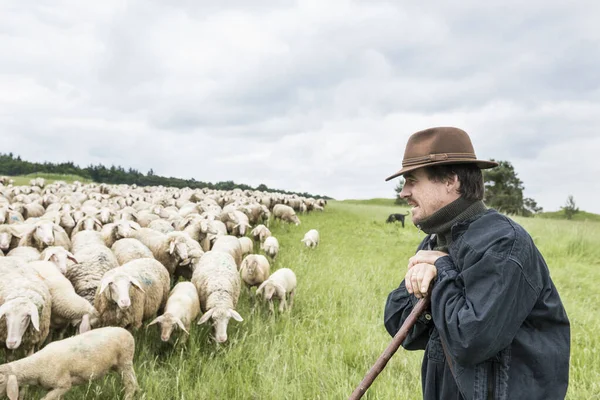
x=117, y=289
x=178, y=247
x=125, y=228
x=18, y=313
x=90, y=223
x=295, y=220
x=106, y=215
x=220, y=317
x=266, y=290
x=168, y=322
x=44, y=233
x=9, y=385
x=59, y=256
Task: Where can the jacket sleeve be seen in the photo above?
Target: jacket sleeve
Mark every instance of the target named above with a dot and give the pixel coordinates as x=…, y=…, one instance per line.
x=397, y=308
x=479, y=310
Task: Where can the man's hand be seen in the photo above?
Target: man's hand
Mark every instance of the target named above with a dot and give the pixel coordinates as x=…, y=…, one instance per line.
x=425, y=256
x=418, y=278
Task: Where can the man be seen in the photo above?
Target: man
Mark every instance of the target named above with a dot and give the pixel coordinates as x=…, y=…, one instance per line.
x=497, y=328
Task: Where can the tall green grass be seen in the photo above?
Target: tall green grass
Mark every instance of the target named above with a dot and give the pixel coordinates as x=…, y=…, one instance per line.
x=326, y=344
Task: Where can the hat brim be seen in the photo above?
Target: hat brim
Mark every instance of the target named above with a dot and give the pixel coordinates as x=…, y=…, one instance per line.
x=482, y=164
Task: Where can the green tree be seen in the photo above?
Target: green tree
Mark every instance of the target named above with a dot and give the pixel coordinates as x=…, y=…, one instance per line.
x=504, y=189
x=399, y=200
x=570, y=208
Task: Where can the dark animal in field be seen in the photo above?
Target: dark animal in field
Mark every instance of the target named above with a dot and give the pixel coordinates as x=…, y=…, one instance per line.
x=396, y=217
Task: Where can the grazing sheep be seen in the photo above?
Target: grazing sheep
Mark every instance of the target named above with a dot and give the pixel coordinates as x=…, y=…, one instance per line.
x=230, y=245
x=59, y=256
x=27, y=253
x=170, y=249
x=74, y=361
x=247, y=245
x=183, y=306
x=25, y=304
x=132, y=293
x=218, y=283
x=271, y=247
x=281, y=284
x=45, y=233
x=255, y=270
x=68, y=308
x=130, y=249
x=285, y=213
x=260, y=233
x=311, y=238
x=94, y=262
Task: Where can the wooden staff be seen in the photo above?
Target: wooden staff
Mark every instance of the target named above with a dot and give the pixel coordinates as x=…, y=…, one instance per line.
x=381, y=362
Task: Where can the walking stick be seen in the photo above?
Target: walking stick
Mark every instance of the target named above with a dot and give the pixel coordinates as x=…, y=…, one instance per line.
x=381, y=362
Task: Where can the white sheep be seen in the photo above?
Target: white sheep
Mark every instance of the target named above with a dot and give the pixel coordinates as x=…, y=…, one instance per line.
x=25, y=304
x=311, y=238
x=68, y=308
x=247, y=245
x=271, y=247
x=74, y=361
x=129, y=249
x=281, y=284
x=93, y=262
x=45, y=233
x=255, y=270
x=230, y=245
x=119, y=229
x=27, y=253
x=87, y=223
x=170, y=249
x=161, y=225
x=285, y=213
x=218, y=283
x=260, y=233
x=84, y=239
x=132, y=293
x=59, y=256
x=183, y=307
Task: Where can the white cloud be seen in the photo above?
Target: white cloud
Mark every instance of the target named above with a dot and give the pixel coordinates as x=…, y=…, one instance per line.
x=309, y=96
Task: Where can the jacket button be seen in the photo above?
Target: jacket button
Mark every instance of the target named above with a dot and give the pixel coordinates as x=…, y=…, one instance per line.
x=428, y=317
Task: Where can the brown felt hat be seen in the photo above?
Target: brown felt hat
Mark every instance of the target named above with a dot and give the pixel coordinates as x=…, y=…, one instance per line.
x=436, y=146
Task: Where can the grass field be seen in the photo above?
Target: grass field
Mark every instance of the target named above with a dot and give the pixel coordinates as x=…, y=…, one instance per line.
x=325, y=345
x=50, y=178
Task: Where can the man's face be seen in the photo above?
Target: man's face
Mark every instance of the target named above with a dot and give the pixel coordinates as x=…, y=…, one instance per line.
x=425, y=196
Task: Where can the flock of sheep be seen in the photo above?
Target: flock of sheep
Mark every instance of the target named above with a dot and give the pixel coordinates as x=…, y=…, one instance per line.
x=94, y=262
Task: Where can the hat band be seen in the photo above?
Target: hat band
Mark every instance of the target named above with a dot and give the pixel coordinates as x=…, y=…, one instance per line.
x=437, y=157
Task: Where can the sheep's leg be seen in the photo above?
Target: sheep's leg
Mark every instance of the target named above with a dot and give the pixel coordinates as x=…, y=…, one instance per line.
x=56, y=393
x=282, y=304
x=271, y=307
x=129, y=380
x=292, y=299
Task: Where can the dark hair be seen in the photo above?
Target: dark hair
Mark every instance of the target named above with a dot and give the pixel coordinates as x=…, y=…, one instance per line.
x=469, y=175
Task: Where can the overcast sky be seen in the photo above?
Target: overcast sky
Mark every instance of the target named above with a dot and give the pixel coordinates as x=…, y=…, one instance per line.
x=308, y=96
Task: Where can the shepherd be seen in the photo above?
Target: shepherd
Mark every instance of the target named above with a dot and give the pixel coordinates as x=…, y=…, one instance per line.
x=495, y=327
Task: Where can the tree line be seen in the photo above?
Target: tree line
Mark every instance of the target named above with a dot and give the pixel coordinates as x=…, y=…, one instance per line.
x=11, y=164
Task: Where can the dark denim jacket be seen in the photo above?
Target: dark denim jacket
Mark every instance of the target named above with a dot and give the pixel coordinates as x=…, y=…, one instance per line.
x=497, y=328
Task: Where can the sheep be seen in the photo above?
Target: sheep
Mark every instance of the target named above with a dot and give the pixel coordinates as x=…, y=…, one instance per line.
x=59, y=256
x=247, y=245
x=94, y=262
x=132, y=293
x=118, y=230
x=75, y=360
x=260, y=233
x=183, y=306
x=129, y=249
x=230, y=245
x=87, y=223
x=218, y=283
x=281, y=284
x=285, y=213
x=27, y=253
x=311, y=238
x=67, y=306
x=25, y=304
x=10, y=235
x=86, y=238
x=255, y=270
x=271, y=247
x=161, y=225
x=43, y=234
x=170, y=249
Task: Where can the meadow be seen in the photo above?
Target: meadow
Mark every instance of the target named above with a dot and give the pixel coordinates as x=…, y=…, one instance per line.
x=326, y=344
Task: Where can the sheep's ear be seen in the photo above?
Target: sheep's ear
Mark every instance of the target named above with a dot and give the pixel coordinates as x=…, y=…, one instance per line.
x=85, y=324
x=97, y=222
x=261, y=288
x=137, y=283
x=71, y=257
x=134, y=225
x=12, y=388
x=57, y=228
x=49, y=255
x=4, y=308
x=206, y=316
x=172, y=246
x=155, y=321
x=104, y=284
x=234, y=314
x=180, y=325
x=35, y=316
